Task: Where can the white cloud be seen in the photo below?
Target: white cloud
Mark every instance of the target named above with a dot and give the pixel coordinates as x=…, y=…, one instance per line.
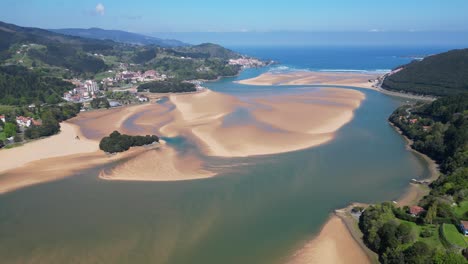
x=100, y=9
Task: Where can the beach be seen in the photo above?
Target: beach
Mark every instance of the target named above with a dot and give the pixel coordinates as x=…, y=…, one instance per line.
x=334, y=244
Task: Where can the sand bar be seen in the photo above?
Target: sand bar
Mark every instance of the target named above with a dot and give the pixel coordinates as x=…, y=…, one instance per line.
x=280, y=123
x=314, y=78
x=333, y=245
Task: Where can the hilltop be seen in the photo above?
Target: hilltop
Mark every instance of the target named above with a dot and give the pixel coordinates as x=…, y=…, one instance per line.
x=119, y=36
x=440, y=75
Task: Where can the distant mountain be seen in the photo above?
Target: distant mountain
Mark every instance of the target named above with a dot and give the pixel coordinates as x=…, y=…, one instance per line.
x=439, y=75
x=119, y=36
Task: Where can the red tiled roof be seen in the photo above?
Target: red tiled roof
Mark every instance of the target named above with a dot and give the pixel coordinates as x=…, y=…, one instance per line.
x=465, y=224
x=416, y=210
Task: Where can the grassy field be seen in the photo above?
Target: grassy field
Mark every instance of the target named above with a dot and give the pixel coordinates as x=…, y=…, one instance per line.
x=461, y=209
x=432, y=240
x=454, y=236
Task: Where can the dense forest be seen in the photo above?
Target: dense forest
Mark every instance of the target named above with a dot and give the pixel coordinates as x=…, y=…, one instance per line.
x=20, y=86
x=439, y=75
x=171, y=86
x=117, y=142
x=439, y=130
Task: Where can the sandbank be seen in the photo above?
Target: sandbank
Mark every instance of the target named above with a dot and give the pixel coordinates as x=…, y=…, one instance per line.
x=281, y=123
x=363, y=80
x=333, y=245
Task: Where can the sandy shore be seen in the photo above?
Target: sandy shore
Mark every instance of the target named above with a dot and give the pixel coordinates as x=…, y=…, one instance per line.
x=333, y=245
x=314, y=78
x=62, y=144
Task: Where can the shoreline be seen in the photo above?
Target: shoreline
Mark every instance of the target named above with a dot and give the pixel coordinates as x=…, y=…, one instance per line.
x=333, y=244
x=415, y=192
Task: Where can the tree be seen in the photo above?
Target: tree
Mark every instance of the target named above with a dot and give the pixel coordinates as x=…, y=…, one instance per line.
x=431, y=213
x=9, y=129
x=418, y=253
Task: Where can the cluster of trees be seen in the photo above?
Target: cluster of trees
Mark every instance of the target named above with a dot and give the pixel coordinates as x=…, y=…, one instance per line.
x=441, y=75
x=171, y=86
x=122, y=97
x=117, y=142
x=51, y=116
x=20, y=86
x=191, y=69
x=396, y=241
x=100, y=102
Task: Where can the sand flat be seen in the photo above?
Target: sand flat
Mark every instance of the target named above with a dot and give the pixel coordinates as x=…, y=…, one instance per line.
x=297, y=121
x=334, y=245
x=160, y=164
x=313, y=78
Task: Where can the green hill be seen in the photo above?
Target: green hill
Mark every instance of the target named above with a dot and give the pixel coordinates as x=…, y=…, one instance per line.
x=41, y=47
x=439, y=75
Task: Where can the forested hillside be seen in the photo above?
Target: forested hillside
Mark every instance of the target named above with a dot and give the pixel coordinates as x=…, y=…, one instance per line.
x=439, y=75
x=20, y=86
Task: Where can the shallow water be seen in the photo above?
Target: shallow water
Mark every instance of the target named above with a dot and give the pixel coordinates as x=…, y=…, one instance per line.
x=259, y=210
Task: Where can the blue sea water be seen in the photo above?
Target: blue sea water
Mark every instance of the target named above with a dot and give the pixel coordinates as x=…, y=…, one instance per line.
x=351, y=58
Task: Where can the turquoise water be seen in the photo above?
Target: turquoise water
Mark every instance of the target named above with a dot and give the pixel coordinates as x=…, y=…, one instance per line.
x=259, y=210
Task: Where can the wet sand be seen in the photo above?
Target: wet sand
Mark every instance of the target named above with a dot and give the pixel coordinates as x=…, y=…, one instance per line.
x=333, y=245
x=314, y=78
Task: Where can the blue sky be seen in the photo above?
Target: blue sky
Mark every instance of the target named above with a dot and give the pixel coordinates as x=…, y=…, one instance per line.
x=147, y=16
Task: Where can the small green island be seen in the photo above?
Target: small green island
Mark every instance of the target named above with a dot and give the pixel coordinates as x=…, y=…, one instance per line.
x=117, y=142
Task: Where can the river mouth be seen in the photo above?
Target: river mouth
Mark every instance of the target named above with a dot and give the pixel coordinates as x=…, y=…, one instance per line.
x=257, y=210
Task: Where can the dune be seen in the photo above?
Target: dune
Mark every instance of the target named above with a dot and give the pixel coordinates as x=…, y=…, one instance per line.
x=314, y=78
x=333, y=245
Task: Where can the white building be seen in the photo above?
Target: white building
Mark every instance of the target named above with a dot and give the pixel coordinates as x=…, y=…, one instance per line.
x=91, y=86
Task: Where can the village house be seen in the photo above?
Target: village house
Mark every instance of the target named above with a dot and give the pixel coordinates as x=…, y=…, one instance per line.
x=416, y=210
x=142, y=98
x=2, y=117
x=23, y=121
x=464, y=227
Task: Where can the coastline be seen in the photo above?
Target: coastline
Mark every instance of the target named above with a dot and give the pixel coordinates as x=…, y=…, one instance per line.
x=415, y=192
